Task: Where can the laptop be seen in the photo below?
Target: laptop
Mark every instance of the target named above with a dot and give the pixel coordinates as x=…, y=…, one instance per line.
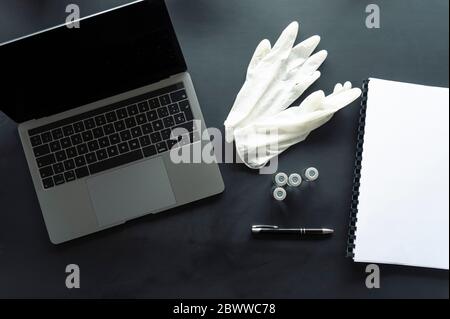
x=96, y=108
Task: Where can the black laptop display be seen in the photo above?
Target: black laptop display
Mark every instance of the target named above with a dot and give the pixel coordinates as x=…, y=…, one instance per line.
x=65, y=68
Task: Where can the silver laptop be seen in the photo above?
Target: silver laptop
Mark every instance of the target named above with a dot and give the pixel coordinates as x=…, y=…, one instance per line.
x=96, y=107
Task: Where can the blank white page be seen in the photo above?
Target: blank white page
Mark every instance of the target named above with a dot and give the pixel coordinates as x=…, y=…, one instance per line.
x=403, y=211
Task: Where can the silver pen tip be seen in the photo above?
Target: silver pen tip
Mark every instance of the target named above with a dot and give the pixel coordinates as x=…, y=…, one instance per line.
x=327, y=231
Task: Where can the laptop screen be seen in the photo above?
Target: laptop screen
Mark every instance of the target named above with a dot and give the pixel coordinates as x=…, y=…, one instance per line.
x=110, y=53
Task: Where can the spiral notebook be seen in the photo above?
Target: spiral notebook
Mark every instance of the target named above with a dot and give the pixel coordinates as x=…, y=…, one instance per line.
x=400, y=206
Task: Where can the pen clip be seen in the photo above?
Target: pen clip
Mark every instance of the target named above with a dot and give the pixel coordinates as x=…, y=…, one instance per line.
x=258, y=228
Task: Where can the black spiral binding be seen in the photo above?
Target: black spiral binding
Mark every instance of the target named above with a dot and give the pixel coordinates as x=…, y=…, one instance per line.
x=357, y=171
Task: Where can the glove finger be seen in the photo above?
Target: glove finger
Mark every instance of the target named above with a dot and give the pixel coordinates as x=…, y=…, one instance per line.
x=302, y=51
x=302, y=83
x=336, y=102
x=261, y=51
x=312, y=102
x=314, y=62
x=347, y=85
x=285, y=99
x=337, y=88
x=285, y=42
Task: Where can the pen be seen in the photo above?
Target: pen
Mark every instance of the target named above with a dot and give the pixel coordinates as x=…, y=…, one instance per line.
x=270, y=229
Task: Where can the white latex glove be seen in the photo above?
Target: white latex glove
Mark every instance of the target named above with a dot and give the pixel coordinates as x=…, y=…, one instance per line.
x=268, y=137
x=276, y=77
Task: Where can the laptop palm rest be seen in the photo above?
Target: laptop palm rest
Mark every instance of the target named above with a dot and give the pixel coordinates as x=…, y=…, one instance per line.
x=130, y=192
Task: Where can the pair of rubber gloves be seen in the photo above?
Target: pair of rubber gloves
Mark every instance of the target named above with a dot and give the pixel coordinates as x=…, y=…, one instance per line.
x=260, y=122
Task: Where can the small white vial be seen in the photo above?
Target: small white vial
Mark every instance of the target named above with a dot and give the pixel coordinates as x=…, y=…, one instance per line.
x=311, y=174
x=281, y=179
x=279, y=193
x=294, y=180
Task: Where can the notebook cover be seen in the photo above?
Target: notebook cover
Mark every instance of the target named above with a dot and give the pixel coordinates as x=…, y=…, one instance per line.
x=357, y=171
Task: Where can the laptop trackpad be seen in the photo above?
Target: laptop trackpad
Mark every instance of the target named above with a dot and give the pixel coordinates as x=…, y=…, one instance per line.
x=130, y=192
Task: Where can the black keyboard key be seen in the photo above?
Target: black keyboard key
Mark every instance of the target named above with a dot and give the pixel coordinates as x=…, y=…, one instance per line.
x=91, y=158
x=48, y=182
x=141, y=119
x=69, y=164
x=157, y=125
x=58, y=179
x=58, y=168
x=78, y=127
x=165, y=134
x=130, y=122
x=82, y=172
x=121, y=113
x=82, y=149
x=147, y=128
x=125, y=135
x=145, y=140
x=132, y=110
x=93, y=146
x=65, y=142
x=71, y=152
x=104, y=142
x=114, y=139
x=109, y=129
x=119, y=125
x=164, y=99
x=134, y=144
x=161, y=147
x=123, y=148
x=76, y=139
x=98, y=132
x=152, y=116
x=143, y=107
x=112, y=151
x=68, y=130
x=111, y=117
x=46, y=171
x=80, y=161
x=178, y=95
x=89, y=124
x=136, y=132
x=55, y=146
x=116, y=161
x=69, y=176
x=179, y=118
x=87, y=136
x=173, y=109
x=168, y=121
x=102, y=154
x=57, y=134
x=185, y=107
x=41, y=150
x=36, y=140
x=100, y=120
x=154, y=103
x=155, y=137
x=149, y=150
x=61, y=156
x=163, y=112
x=46, y=137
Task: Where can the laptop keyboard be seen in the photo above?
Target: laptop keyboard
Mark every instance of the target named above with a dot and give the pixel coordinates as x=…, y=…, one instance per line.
x=112, y=135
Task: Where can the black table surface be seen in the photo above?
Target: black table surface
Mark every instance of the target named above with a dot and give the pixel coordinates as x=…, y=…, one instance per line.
x=205, y=249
